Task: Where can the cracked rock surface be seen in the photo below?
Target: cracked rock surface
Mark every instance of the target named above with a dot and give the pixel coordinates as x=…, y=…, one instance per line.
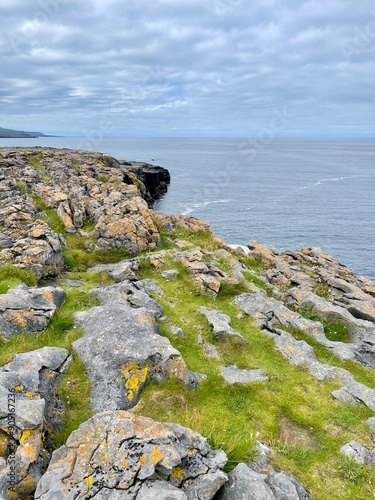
x=29, y=406
x=122, y=348
x=119, y=455
x=28, y=309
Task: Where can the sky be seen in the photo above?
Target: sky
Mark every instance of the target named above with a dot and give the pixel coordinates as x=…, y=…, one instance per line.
x=188, y=68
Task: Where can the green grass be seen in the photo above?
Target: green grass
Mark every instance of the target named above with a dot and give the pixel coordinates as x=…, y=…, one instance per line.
x=335, y=331
x=255, y=265
x=234, y=417
x=11, y=276
x=36, y=161
x=252, y=278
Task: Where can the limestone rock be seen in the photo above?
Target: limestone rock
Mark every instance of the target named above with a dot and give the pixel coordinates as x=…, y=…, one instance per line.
x=300, y=353
x=124, y=270
x=260, y=481
x=270, y=313
x=356, y=451
x=371, y=425
x=80, y=186
x=233, y=375
x=28, y=309
x=29, y=408
x=132, y=293
x=220, y=323
x=119, y=455
x=206, y=274
x=170, y=274
x=263, y=253
x=175, y=330
x=122, y=351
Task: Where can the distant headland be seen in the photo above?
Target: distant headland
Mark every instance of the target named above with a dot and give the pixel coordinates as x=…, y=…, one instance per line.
x=19, y=134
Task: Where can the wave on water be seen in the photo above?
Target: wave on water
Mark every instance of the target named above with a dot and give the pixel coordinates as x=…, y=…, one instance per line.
x=196, y=206
x=329, y=180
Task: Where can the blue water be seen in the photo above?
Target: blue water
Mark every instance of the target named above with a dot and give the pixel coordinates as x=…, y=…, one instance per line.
x=287, y=193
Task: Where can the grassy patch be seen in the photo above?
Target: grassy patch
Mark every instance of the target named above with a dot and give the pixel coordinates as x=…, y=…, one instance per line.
x=252, y=278
x=11, y=276
x=335, y=331
x=322, y=290
x=255, y=265
x=233, y=417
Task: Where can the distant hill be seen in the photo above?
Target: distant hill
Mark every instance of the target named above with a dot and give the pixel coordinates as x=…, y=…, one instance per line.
x=7, y=132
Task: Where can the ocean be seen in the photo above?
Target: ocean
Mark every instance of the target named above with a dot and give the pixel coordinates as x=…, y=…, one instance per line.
x=287, y=193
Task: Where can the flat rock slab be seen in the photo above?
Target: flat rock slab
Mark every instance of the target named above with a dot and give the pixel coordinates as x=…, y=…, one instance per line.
x=28, y=309
x=298, y=352
x=122, y=350
x=220, y=323
x=120, y=271
x=29, y=406
x=233, y=375
x=135, y=294
x=119, y=455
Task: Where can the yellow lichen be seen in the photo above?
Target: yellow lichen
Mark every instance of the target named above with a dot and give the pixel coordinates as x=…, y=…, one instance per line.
x=88, y=481
x=155, y=456
x=24, y=436
x=178, y=472
x=134, y=377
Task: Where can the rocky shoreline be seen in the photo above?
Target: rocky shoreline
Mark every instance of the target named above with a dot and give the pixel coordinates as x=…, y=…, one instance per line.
x=103, y=295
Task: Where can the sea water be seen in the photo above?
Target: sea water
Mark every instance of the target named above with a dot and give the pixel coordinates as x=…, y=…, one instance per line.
x=287, y=193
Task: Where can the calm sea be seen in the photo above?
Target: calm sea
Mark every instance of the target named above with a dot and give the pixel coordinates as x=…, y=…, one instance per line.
x=287, y=193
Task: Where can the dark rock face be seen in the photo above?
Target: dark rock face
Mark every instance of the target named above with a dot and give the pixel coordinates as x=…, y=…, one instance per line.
x=118, y=455
x=155, y=178
x=29, y=407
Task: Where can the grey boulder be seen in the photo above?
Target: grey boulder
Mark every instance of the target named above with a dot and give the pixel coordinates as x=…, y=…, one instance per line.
x=28, y=309
x=119, y=455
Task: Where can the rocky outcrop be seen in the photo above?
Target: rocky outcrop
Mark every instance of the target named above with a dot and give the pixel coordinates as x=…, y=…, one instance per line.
x=118, y=455
x=122, y=348
x=80, y=186
x=28, y=309
x=207, y=276
x=298, y=352
x=29, y=410
x=155, y=178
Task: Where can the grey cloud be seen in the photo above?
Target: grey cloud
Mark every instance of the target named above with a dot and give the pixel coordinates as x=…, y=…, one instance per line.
x=187, y=67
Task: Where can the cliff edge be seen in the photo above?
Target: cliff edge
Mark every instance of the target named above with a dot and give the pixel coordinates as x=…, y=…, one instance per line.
x=142, y=357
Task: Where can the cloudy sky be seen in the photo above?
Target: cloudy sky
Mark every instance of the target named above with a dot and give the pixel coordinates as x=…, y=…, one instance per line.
x=236, y=68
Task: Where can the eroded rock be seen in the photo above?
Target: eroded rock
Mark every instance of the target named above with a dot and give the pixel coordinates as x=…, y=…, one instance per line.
x=122, y=348
x=29, y=409
x=28, y=309
x=220, y=323
x=119, y=455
